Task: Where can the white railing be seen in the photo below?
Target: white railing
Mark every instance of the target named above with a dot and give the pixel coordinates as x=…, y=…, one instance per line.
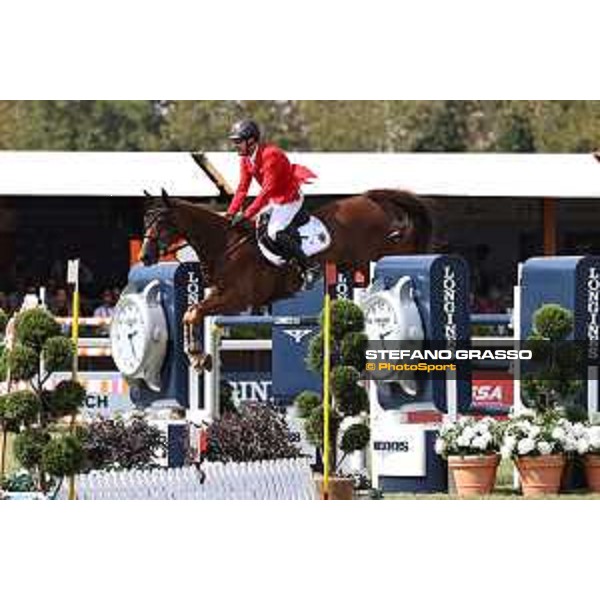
x=286, y=479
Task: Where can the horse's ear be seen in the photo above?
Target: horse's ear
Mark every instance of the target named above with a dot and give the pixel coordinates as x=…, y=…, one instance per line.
x=165, y=198
x=148, y=194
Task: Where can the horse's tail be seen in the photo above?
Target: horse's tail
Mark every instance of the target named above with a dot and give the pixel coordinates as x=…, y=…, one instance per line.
x=416, y=209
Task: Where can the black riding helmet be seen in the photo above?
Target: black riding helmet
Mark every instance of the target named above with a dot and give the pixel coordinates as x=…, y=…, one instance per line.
x=244, y=130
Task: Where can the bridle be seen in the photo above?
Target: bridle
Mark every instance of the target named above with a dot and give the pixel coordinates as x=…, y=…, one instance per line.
x=152, y=234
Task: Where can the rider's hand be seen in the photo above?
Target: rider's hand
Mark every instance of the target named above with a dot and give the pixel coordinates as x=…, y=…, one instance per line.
x=237, y=219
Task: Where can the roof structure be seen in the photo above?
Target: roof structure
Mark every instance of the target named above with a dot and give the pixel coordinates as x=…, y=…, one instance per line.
x=101, y=174
x=478, y=175
x=127, y=174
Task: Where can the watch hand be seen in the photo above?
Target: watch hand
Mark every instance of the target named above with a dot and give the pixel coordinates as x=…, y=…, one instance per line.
x=132, y=348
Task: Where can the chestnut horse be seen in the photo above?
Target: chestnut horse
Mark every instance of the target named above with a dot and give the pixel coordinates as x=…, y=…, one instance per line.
x=363, y=228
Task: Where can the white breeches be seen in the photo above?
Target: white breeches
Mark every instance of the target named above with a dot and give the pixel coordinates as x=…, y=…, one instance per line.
x=282, y=215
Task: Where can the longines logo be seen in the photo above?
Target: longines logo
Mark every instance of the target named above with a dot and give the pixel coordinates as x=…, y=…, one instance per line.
x=449, y=304
x=297, y=334
x=593, y=308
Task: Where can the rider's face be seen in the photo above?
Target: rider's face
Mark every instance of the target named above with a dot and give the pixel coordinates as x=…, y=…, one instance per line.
x=244, y=147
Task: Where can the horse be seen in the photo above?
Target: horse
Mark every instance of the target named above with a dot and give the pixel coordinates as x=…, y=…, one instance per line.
x=362, y=228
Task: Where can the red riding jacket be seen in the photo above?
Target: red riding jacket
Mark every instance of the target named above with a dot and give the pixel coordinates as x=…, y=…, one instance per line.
x=279, y=179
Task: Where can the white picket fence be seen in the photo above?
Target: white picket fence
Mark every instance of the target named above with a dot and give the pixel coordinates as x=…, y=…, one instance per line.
x=289, y=479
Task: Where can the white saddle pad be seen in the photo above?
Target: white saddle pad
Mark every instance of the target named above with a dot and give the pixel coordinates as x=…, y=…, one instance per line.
x=315, y=238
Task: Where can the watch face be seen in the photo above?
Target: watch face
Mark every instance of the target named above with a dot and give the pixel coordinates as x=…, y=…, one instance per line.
x=128, y=335
x=381, y=318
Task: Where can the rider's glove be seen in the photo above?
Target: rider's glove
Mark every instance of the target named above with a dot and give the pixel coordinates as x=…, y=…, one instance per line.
x=236, y=219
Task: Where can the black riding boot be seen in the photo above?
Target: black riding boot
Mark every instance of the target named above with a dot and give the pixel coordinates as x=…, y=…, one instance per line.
x=291, y=248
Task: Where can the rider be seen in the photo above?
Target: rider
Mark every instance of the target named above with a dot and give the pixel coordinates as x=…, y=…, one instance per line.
x=280, y=194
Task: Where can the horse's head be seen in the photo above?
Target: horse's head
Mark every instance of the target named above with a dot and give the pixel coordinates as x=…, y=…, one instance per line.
x=160, y=232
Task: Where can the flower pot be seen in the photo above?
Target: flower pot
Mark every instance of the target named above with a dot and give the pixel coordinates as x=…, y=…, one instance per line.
x=592, y=471
x=474, y=475
x=540, y=475
x=340, y=488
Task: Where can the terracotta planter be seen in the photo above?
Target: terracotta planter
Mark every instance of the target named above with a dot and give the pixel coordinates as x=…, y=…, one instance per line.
x=540, y=475
x=592, y=471
x=340, y=488
x=474, y=475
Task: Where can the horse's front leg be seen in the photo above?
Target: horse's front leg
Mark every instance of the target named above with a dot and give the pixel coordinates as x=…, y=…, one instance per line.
x=217, y=302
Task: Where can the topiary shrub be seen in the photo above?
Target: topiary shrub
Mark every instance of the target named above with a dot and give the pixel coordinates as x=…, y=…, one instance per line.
x=66, y=398
x=23, y=362
x=257, y=431
x=34, y=327
x=63, y=455
x=39, y=350
x=18, y=409
x=349, y=399
x=58, y=353
x=29, y=446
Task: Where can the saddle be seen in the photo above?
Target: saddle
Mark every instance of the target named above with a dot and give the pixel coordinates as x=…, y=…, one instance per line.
x=309, y=232
x=302, y=217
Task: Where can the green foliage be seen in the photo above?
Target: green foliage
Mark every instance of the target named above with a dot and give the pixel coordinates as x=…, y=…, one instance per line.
x=23, y=362
x=256, y=431
x=554, y=376
x=18, y=409
x=29, y=446
x=353, y=348
x=314, y=356
x=65, y=399
x=3, y=363
x=313, y=426
x=3, y=321
x=34, y=327
x=317, y=125
x=63, y=455
x=90, y=125
x=447, y=131
x=515, y=133
x=356, y=437
x=553, y=322
x=346, y=317
x=306, y=402
x=58, y=353
x=227, y=403
x=121, y=444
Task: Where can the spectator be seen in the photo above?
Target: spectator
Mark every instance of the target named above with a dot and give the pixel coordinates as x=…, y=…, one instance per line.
x=107, y=308
x=60, y=305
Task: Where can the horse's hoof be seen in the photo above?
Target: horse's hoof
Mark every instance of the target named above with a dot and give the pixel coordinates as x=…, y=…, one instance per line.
x=207, y=362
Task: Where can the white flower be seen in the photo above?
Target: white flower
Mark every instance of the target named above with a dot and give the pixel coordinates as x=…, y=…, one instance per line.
x=440, y=445
x=468, y=432
x=583, y=446
x=525, y=446
x=510, y=442
x=570, y=443
x=506, y=451
x=463, y=441
x=558, y=433
x=544, y=447
x=479, y=442
x=534, y=431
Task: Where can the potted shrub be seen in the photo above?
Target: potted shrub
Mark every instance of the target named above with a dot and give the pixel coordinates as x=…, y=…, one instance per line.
x=538, y=443
x=588, y=445
x=471, y=447
x=541, y=440
x=348, y=417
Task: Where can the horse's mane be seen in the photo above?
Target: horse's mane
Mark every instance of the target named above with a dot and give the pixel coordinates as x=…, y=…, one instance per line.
x=416, y=208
